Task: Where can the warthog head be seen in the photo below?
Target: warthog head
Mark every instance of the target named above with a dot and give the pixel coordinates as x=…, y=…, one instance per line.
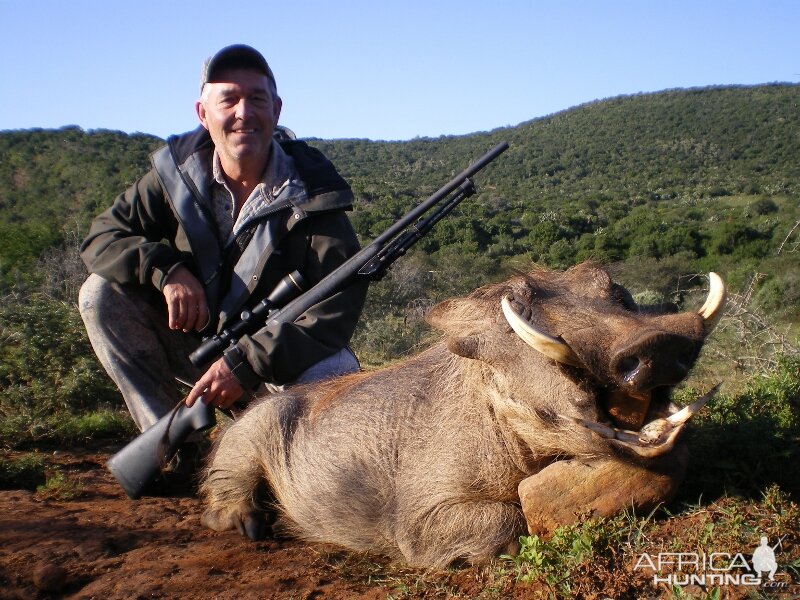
x=575, y=365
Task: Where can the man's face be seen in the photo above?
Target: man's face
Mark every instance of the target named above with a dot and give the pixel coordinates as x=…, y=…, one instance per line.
x=240, y=112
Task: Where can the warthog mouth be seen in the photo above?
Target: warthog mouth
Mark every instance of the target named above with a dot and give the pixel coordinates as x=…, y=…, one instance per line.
x=655, y=437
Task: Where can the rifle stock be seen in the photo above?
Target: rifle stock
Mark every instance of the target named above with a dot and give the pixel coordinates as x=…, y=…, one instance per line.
x=139, y=463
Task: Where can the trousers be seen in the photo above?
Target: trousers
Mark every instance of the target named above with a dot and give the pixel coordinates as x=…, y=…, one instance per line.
x=128, y=329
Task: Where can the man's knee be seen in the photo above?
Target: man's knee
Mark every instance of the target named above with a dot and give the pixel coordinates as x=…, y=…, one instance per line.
x=336, y=365
x=108, y=306
x=91, y=298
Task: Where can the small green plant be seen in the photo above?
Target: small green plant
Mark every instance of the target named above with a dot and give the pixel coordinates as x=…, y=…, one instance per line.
x=60, y=487
x=678, y=593
x=21, y=430
x=554, y=561
x=102, y=424
x=531, y=560
x=794, y=567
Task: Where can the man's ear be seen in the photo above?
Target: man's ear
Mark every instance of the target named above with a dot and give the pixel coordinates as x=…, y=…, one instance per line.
x=201, y=113
x=277, y=104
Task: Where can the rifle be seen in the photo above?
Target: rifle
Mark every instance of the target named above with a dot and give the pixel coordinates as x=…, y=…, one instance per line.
x=139, y=463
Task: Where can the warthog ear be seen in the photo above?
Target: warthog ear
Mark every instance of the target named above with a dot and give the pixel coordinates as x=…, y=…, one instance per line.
x=459, y=317
x=478, y=347
x=466, y=327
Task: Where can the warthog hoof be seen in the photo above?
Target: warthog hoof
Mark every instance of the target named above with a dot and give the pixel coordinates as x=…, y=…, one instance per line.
x=245, y=518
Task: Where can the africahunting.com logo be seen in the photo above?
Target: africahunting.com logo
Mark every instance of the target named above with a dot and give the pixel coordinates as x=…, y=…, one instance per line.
x=718, y=568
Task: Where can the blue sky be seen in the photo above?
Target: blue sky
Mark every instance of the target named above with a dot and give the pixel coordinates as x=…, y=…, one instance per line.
x=379, y=70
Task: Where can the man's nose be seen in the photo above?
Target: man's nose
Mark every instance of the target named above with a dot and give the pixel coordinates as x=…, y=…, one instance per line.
x=244, y=108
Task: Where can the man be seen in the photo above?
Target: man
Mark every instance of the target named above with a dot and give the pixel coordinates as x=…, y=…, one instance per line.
x=225, y=212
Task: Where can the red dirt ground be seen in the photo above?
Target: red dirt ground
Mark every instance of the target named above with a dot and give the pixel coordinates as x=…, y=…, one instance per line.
x=104, y=545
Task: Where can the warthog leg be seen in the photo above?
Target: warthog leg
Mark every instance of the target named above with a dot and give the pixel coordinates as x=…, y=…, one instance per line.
x=473, y=532
x=231, y=489
x=245, y=518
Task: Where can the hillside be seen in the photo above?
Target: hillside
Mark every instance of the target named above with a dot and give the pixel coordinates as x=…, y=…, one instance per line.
x=667, y=183
x=573, y=184
x=52, y=182
x=640, y=176
x=677, y=143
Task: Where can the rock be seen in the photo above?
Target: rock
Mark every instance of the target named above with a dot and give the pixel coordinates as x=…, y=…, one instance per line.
x=558, y=494
x=50, y=578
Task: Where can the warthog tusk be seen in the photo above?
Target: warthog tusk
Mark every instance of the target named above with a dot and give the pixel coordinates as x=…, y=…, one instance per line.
x=711, y=311
x=538, y=340
x=610, y=433
x=655, y=437
x=687, y=412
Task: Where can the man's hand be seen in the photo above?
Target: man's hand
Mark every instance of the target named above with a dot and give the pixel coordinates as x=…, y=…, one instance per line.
x=218, y=387
x=186, y=301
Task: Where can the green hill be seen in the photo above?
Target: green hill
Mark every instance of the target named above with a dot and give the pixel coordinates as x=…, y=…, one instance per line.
x=693, y=180
x=677, y=143
x=52, y=182
x=648, y=175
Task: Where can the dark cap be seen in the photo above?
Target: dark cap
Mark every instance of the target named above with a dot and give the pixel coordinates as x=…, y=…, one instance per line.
x=232, y=57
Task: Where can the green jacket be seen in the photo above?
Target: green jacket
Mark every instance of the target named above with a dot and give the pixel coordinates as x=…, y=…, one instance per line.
x=164, y=219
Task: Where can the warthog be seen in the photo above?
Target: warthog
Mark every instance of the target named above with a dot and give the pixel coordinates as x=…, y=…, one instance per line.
x=556, y=380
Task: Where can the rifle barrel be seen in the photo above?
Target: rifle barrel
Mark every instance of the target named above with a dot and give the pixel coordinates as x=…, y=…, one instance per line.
x=443, y=192
x=335, y=280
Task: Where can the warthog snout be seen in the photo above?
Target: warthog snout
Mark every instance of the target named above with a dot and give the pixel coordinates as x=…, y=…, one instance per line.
x=654, y=359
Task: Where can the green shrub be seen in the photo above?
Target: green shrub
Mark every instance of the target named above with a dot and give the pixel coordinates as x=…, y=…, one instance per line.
x=25, y=472
x=49, y=376
x=764, y=206
x=103, y=424
x=46, y=361
x=381, y=340
x=745, y=442
x=554, y=561
x=780, y=292
x=60, y=487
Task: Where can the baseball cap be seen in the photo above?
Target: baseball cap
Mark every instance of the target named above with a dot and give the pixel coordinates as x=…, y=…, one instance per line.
x=237, y=55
